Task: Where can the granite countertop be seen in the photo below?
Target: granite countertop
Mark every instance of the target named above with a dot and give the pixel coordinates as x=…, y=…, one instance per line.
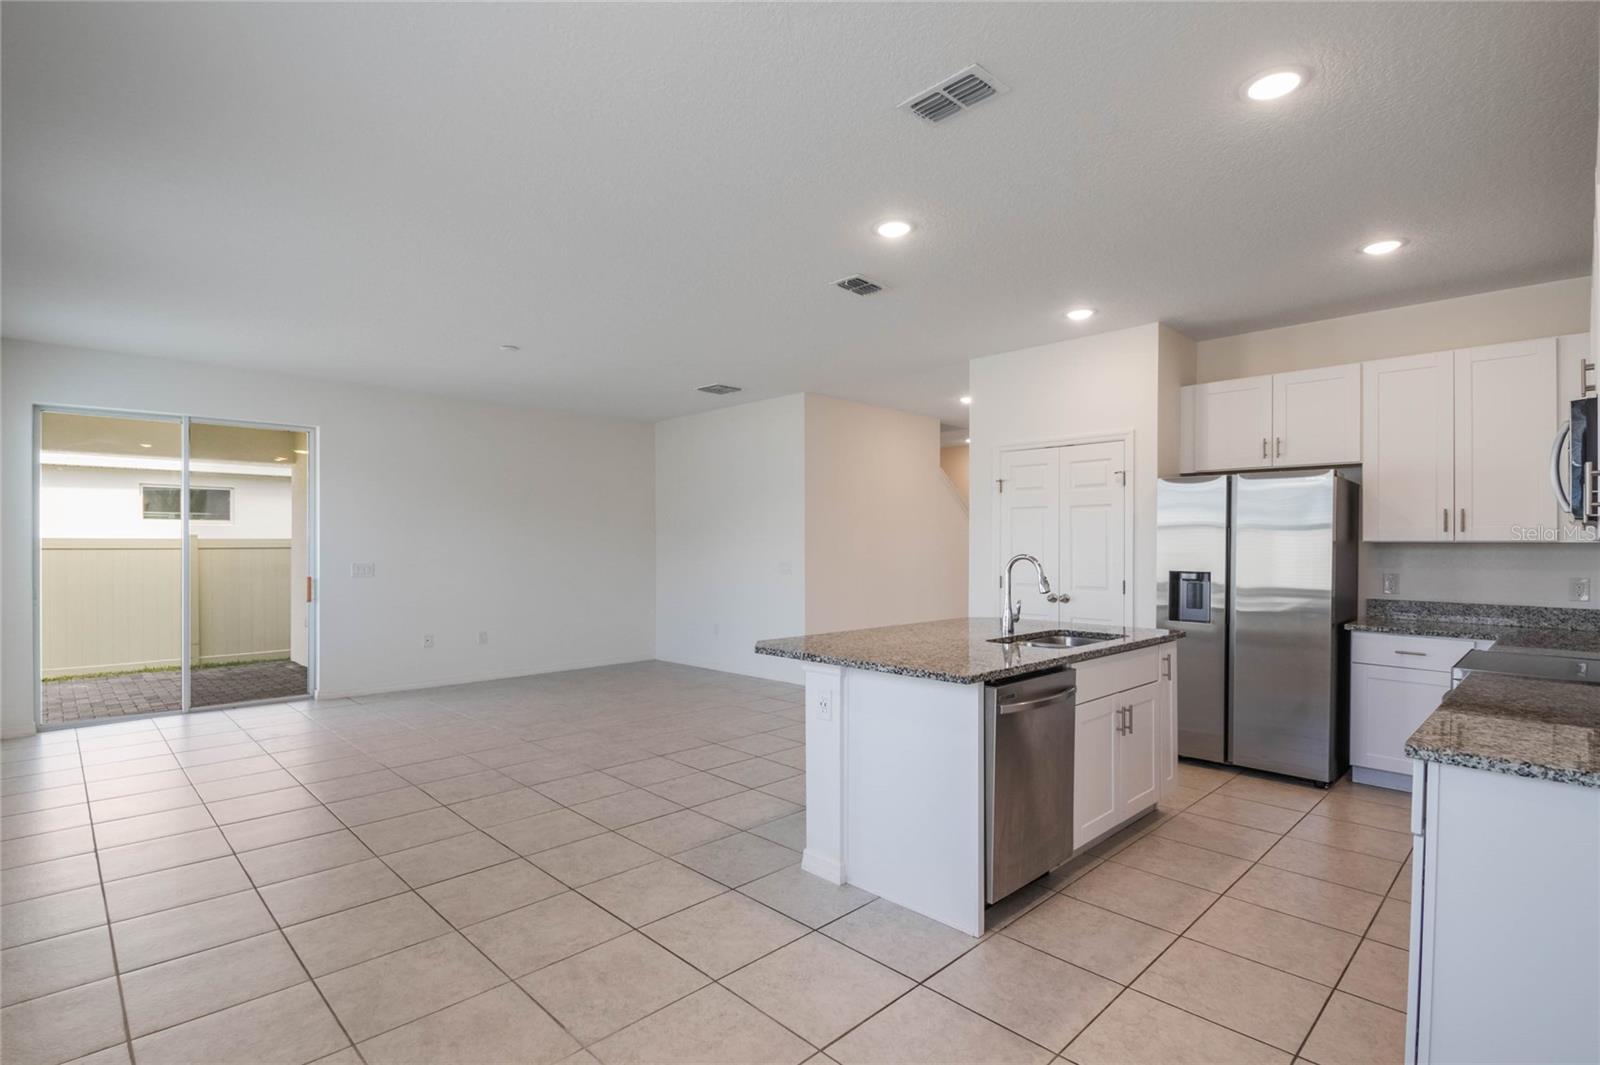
x=1505, y=637
x=957, y=650
x=1529, y=728
x=1546, y=630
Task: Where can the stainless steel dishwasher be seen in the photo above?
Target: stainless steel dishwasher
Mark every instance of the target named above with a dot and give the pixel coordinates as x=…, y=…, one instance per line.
x=1029, y=726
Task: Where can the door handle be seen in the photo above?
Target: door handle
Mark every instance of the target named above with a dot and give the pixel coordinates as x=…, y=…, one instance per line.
x=1264, y=448
x=1461, y=526
x=1166, y=667
x=1279, y=442
x=1029, y=704
x=1446, y=519
x=1414, y=654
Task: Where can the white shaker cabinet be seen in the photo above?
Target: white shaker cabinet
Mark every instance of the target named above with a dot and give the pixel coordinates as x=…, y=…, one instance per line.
x=1316, y=416
x=1094, y=781
x=1124, y=760
x=1505, y=422
x=1233, y=424
x=1408, y=431
x=1395, y=683
x=1304, y=418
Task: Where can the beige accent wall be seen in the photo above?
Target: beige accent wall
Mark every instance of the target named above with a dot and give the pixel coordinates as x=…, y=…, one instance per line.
x=956, y=462
x=111, y=605
x=885, y=534
x=1555, y=308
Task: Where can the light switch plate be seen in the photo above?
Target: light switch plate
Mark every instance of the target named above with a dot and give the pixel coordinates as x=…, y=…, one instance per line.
x=363, y=569
x=1579, y=591
x=1391, y=583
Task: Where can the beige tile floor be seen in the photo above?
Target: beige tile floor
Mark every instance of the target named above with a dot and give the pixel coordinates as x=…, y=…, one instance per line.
x=602, y=865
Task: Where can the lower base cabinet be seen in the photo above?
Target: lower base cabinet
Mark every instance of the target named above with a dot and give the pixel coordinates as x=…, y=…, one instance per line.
x=1395, y=683
x=1118, y=763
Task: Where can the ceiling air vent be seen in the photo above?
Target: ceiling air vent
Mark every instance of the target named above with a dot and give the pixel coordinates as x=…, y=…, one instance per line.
x=955, y=94
x=859, y=285
x=719, y=390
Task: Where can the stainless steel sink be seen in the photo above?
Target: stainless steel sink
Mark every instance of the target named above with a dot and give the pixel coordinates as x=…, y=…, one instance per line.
x=1054, y=639
x=1061, y=639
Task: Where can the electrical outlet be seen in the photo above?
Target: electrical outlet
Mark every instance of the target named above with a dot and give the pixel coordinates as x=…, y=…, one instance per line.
x=427, y=641
x=483, y=636
x=363, y=569
x=1579, y=590
x=825, y=706
x=1391, y=583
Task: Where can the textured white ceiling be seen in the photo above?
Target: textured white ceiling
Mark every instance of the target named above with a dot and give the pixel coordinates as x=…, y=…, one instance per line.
x=650, y=198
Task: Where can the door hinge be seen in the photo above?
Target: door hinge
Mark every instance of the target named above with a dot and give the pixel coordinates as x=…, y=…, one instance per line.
x=1124, y=587
x=309, y=596
x=1122, y=477
x=1000, y=485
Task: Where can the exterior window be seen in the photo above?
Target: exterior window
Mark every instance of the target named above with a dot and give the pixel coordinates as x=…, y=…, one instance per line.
x=205, y=504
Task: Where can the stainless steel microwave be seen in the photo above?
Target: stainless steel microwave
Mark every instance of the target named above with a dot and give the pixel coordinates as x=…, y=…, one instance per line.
x=1575, y=470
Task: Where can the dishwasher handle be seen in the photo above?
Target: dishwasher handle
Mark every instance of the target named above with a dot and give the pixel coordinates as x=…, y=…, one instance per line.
x=1029, y=704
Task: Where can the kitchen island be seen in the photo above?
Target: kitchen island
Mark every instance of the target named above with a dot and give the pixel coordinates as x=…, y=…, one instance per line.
x=900, y=740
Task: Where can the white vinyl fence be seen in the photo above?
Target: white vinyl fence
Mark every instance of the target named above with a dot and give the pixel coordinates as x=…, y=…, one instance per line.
x=111, y=605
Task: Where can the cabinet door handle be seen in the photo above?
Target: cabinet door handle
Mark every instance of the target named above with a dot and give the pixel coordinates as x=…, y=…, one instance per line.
x=1461, y=526
x=1166, y=667
x=1414, y=654
x=1279, y=444
x=1446, y=519
x=1264, y=448
x=1588, y=369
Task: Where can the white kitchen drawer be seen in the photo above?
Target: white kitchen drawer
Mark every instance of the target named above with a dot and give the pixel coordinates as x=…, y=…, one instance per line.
x=1407, y=652
x=1116, y=673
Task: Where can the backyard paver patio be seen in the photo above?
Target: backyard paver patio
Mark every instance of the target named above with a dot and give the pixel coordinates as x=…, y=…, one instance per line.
x=89, y=698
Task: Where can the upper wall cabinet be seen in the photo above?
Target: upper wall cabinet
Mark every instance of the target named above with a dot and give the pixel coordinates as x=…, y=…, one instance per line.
x=1306, y=418
x=1505, y=423
x=1457, y=444
x=1407, y=472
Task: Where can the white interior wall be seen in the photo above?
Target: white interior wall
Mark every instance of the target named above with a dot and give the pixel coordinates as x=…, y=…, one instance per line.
x=1529, y=574
x=535, y=526
x=730, y=535
x=1068, y=390
x=885, y=529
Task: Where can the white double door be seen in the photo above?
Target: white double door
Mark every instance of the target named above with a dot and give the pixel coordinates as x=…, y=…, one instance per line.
x=1067, y=506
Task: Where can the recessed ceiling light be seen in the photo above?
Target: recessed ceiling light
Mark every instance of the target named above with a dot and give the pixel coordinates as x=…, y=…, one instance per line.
x=509, y=347
x=1081, y=314
x=1274, y=84
x=146, y=445
x=893, y=229
x=1384, y=247
x=966, y=401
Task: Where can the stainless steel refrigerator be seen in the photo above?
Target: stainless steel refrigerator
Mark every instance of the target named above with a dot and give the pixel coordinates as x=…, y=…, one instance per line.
x=1259, y=571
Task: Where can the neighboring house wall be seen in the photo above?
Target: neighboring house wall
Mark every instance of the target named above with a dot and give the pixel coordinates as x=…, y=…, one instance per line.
x=730, y=535
x=1106, y=384
x=82, y=502
x=1534, y=574
x=956, y=462
x=885, y=532
x=535, y=526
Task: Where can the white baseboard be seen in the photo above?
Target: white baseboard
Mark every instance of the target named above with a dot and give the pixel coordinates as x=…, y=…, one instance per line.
x=819, y=865
x=419, y=684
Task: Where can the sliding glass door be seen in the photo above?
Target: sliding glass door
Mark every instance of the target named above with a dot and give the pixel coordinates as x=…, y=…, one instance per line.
x=173, y=567
x=248, y=559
